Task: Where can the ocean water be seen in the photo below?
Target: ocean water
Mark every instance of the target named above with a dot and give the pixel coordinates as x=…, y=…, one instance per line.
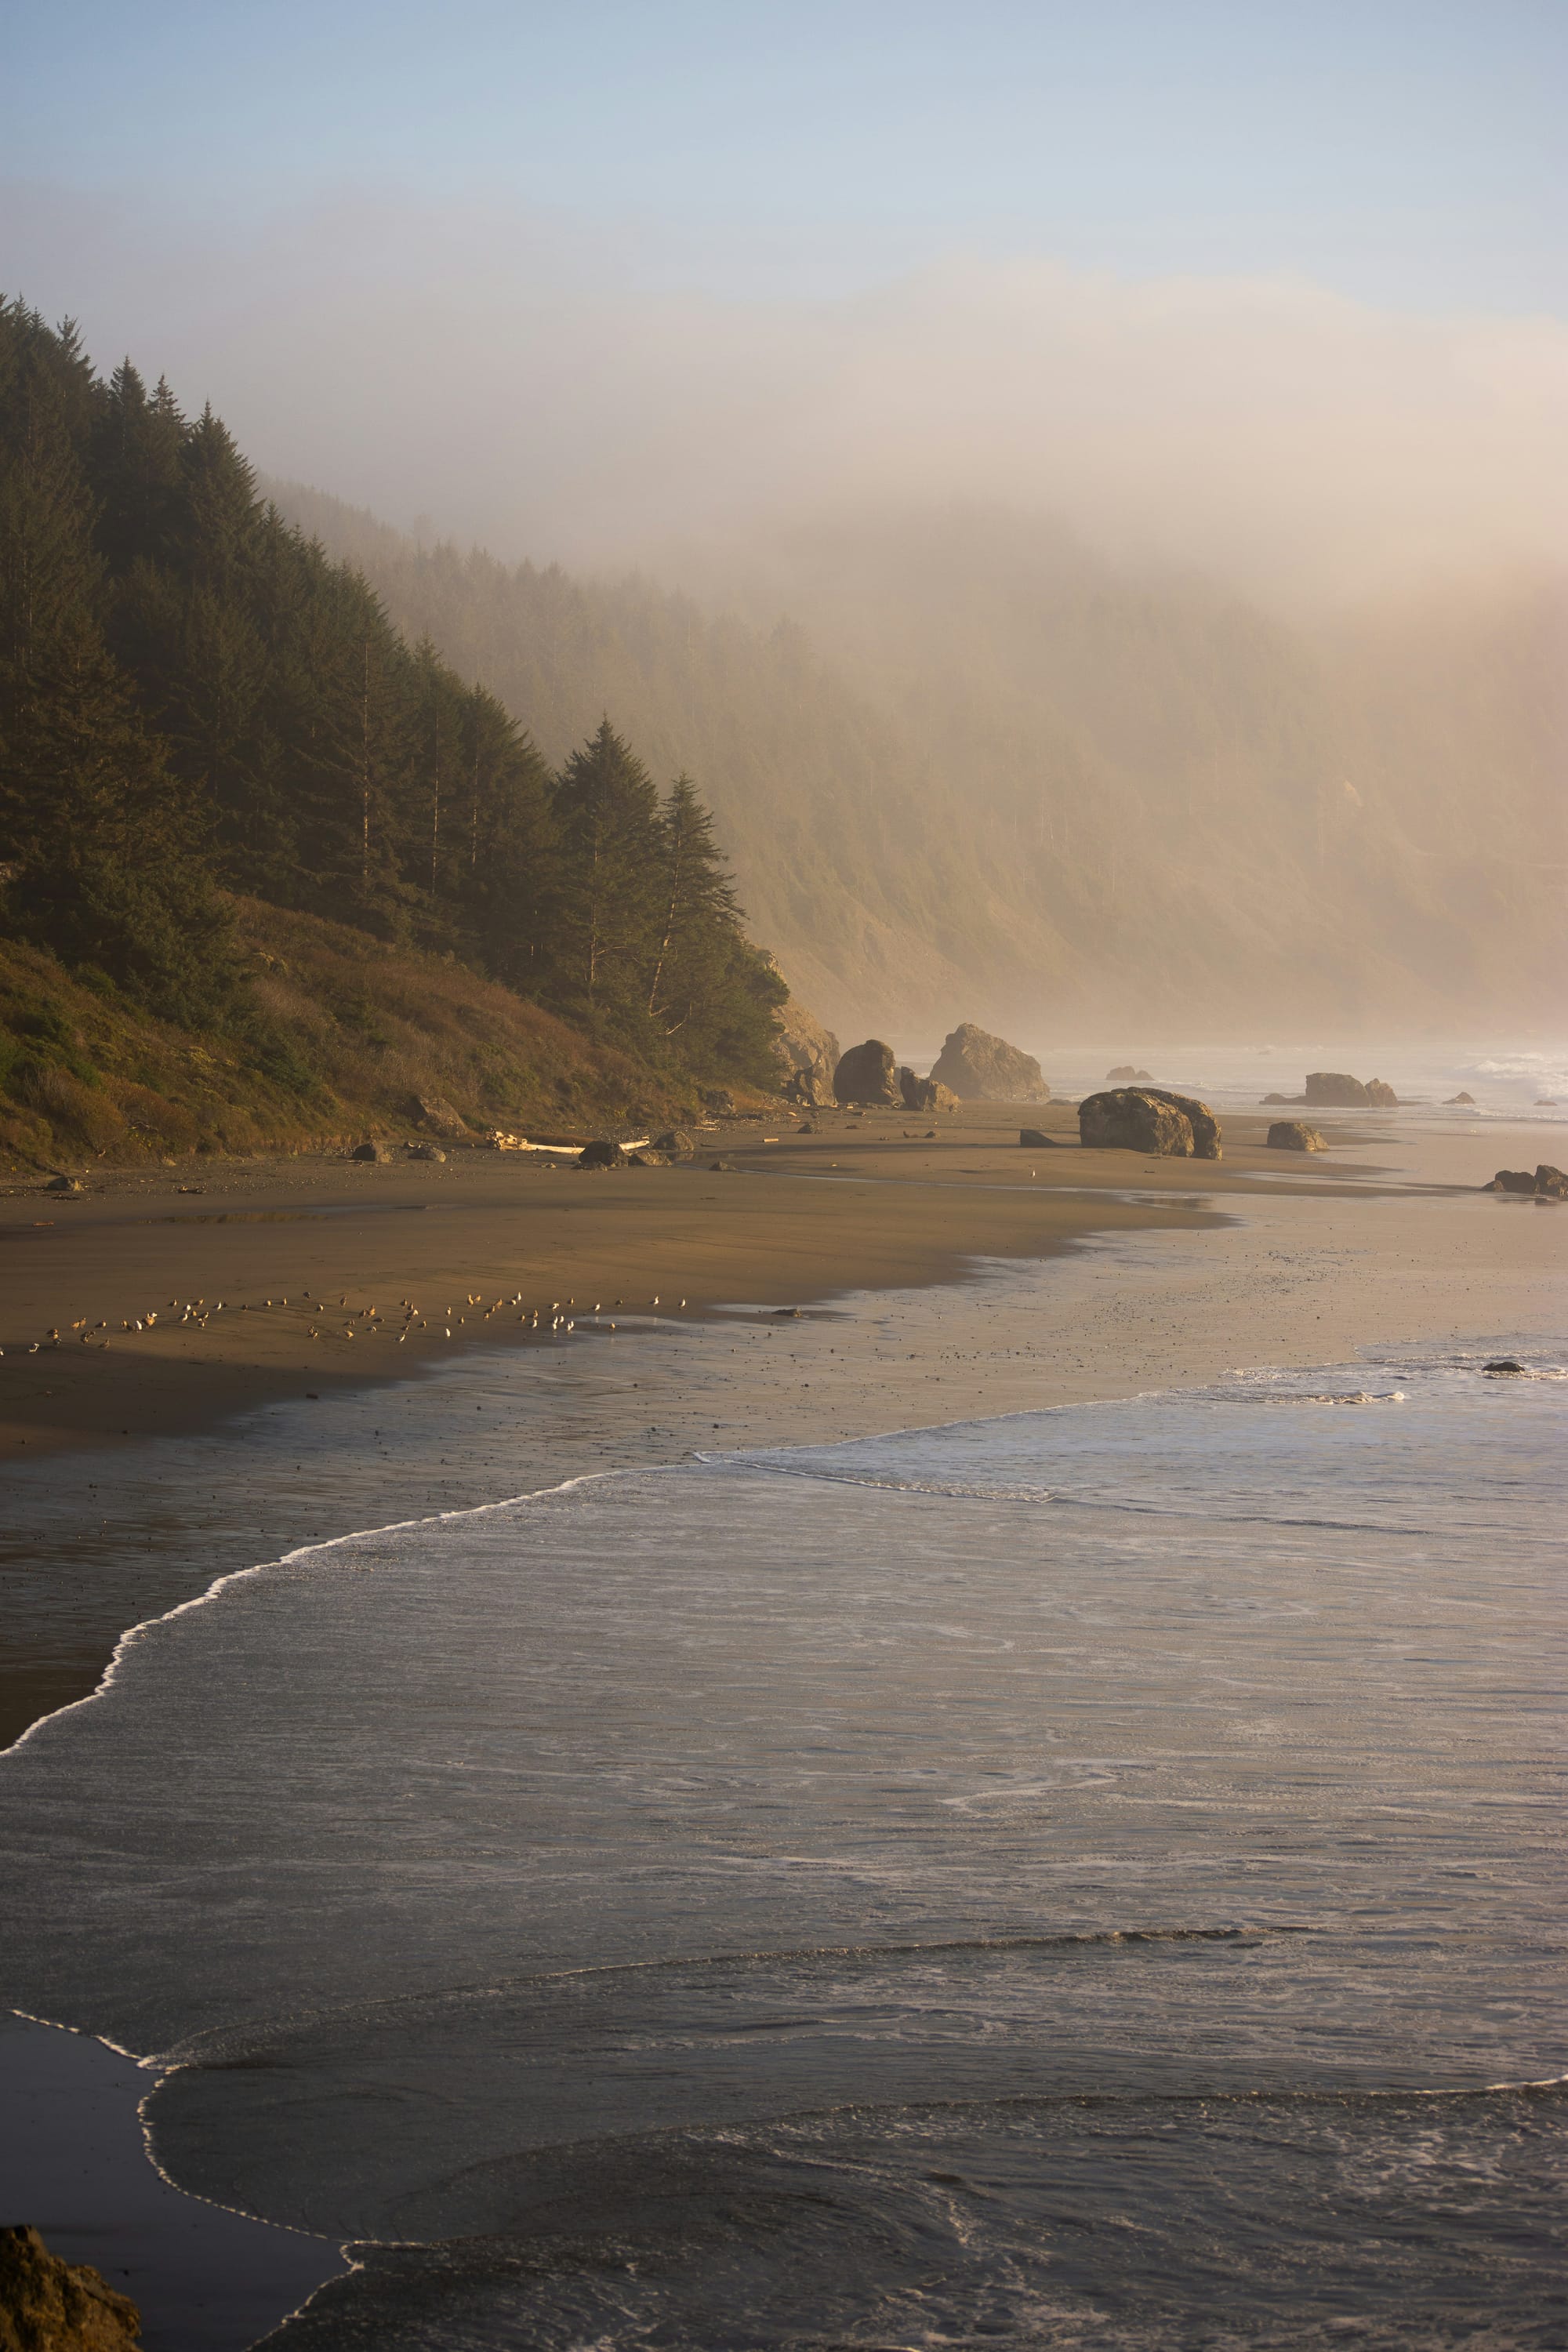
x=1086, y=1878
x=1512, y=1084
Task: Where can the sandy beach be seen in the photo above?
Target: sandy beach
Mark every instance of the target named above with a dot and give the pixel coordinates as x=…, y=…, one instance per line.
x=864, y=1277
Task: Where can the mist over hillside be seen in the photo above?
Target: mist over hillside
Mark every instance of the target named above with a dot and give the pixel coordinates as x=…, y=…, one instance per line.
x=966, y=767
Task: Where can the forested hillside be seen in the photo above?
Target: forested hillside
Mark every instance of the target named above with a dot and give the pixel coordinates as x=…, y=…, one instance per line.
x=197, y=701
x=977, y=770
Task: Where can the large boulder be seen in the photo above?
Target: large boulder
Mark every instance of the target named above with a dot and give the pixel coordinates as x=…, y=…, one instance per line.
x=1130, y=1119
x=925, y=1093
x=601, y=1153
x=50, y=2305
x=1512, y=1180
x=1550, y=1184
x=438, y=1117
x=1205, y=1126
x=676, y=1144
x=1294, y=1135
x=376, y=1154
x=807, y=1052
x=868, y=1074
x=1335, y=1090
x=982, y=1068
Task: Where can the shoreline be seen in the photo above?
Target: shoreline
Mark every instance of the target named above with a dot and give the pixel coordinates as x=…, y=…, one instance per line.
x=1111, y=1301
x=243, y=1438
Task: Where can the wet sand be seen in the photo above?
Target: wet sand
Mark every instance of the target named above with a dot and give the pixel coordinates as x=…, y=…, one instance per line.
x=938, y=1278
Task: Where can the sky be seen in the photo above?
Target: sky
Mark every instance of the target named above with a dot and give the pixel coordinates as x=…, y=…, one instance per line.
x=572, y=227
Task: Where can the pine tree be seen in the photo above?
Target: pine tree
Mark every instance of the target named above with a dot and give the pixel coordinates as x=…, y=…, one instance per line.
x=607, y=902
x=100, y=846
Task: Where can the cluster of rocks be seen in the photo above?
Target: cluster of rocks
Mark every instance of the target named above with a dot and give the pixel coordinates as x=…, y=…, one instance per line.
x=1548, y=1183
x=1148, y=1119
x=871, y=1074
x=663, y=1152
x=1124, y=1075
x=972, y=1067
x=1337, y=1090
x=50, y=2305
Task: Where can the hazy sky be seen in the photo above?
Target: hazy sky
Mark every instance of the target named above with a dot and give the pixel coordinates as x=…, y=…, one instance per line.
x=572, y=278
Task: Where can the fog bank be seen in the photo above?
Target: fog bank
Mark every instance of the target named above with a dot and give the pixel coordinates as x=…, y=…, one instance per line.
x=512, y=378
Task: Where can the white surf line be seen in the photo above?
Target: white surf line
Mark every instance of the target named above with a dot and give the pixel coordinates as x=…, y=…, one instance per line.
x=146, y=1625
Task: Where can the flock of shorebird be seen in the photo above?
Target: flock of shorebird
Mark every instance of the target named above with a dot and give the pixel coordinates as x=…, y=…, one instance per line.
x=561, y=1315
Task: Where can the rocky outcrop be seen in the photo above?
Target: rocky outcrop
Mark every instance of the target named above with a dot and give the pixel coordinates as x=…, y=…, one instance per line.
x=1130, y=1119
x=1125, y=1074
x=1337, y=1090
x=1512, y=1179
x=719, y=1100
x=807, y=1054
x=50, y=2305
x=925, y=1093
x=1550, y=1184
x=436, y=1115
x=868, y=1074
x=1454, y=1099
x=982, y=1068
x=1294, y=1135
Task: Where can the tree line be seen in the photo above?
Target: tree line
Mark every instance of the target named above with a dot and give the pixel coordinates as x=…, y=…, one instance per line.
x=195, y=700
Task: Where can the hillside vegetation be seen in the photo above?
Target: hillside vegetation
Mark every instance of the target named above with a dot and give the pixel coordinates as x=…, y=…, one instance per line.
x=975, y=770
x=354, y=1030
x=197, y=701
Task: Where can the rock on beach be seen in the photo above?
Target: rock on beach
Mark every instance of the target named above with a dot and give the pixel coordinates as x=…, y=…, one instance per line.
x=981, y=1068
x=1148, y=1118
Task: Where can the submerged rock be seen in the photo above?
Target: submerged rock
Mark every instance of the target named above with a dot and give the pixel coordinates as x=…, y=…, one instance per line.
x=982, y=1068
x=50, y=2305
x=868, y=1074
x=1295, y=1135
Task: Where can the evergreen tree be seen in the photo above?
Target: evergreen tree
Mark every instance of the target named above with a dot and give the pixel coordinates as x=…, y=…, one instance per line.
x=99, y=843
x=607, y=902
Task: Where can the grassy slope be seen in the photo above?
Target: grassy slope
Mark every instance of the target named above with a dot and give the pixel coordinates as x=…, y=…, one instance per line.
x=356, y=1029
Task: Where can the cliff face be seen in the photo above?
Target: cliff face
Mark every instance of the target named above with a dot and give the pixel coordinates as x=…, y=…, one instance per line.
x=974, y=765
